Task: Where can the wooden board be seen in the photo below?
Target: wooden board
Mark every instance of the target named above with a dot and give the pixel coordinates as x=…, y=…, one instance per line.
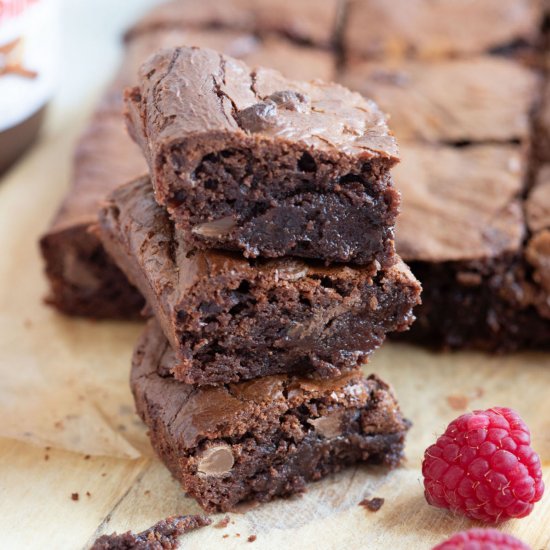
x=69, y=427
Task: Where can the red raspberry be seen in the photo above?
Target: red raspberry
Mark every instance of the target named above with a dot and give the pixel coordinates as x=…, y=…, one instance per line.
x=482, y=539
x=483, y=467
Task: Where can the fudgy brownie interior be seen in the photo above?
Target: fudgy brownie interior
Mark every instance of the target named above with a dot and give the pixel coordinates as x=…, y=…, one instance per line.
x=266, y=438
x=229, y=318
x=247, y=160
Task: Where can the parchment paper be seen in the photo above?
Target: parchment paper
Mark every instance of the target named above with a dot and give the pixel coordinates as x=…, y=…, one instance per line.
x=64, y=384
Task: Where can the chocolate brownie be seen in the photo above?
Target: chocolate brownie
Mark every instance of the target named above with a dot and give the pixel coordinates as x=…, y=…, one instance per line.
x=542, y=125
x=248, y=160
x=303, y=21
x=230, y=318
x=462, y=232
x=274, y=51
x=83, y=279
x=537, y=249
x=451, y=101
x=428, y=29
x=460, y=203
x=262, y=439
x=162, y=536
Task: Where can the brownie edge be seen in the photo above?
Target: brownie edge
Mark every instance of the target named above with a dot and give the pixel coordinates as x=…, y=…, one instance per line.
x=262, y=439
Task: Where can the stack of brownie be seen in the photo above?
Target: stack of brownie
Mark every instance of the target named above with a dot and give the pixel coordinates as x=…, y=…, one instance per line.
x=262, y=241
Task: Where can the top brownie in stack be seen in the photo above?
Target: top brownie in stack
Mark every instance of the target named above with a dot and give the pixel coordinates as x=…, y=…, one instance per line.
x=249, y=160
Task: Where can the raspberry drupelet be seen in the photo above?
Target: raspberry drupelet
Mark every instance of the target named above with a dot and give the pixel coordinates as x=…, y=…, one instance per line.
x=482, y=539
x=484, y=467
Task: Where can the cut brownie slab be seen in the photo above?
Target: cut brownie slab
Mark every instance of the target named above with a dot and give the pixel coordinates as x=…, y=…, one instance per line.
x=452, y=101
x=462, y=231
x=424, y=28
x=83, y=279
x=247, y=160
x=294, y=60
x=303, y=21
x=542, y=124
x=537, y=249
x=460, y=203
x=229, y=318
x=262, y=439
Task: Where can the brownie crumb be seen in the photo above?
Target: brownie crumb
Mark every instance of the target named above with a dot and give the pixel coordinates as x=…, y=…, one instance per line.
x=74, y=496
x=88, y=494
x=161, y=536
x=458, y=402
x=224, y=522
x=225, y=536
x=87, y=457
x=372, y=504
x=252, y=538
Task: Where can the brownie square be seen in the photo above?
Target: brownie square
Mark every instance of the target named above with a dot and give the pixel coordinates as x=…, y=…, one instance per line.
x=83, y=279
x=462, y=231
x=293, y=59
x=537, y=248
x=229, y=318
x=451, y=101
x=428, y=29
x=303, y=21
x=248, y=160
x=460, y=203
x=262, y=439
x=542, y=124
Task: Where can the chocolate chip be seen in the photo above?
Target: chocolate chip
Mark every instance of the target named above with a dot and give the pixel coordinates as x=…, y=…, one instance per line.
x=258, y=117
x=328, y=426
x=291, y=100
x=216, y=460
x=291, y=271
x=216, y=228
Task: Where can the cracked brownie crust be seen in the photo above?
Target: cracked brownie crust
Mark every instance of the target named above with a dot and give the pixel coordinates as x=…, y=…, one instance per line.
x=303, y=22
x=262, y=439
x=248, y=160
x=482, y=99
x=421, y=28
x=229, y=318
